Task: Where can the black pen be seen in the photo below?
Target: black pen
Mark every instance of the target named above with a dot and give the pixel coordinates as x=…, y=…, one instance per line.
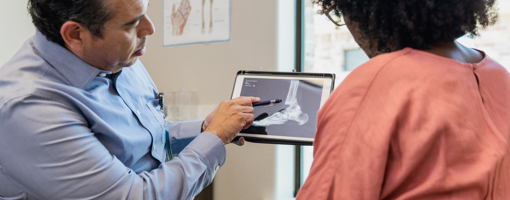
x=267, y=102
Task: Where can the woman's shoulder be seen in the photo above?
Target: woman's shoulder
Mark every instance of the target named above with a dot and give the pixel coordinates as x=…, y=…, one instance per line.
x=380, y=67
x=408, y=67
x=412, y=62
x=405, y=72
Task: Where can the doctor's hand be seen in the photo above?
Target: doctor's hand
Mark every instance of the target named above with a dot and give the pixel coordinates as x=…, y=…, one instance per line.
x=208, y=120
x=231, y=117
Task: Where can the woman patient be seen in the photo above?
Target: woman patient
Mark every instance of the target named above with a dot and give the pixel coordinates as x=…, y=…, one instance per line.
x=425, y=118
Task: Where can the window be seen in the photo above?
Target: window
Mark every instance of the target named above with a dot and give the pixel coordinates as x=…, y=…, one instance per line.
x=354, y=58
x=326, y=48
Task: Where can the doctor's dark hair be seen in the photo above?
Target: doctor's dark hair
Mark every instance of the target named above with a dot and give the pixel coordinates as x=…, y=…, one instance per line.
x=48, y=16
x=392, y=25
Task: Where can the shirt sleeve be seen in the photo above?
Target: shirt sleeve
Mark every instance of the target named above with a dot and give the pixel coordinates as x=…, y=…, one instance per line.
x=49, y=151
x=182, y=133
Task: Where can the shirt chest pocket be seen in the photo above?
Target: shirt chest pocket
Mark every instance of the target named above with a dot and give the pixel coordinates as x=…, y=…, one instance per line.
x=155, y=109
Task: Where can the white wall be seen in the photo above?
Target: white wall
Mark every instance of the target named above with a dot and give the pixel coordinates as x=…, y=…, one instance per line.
x=210, y=69
x=262, y=39
x=16, y=27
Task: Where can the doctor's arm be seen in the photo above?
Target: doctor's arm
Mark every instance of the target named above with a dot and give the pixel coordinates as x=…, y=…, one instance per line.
x=182, y=133
x=49, y=151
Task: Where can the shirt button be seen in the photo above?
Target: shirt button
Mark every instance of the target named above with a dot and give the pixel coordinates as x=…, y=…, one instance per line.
x=153, y=148
x=102, y=74
x=217, y=167
x=137, y=112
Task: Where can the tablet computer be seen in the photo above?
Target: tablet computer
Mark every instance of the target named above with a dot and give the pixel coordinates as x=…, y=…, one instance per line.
x=292, y=100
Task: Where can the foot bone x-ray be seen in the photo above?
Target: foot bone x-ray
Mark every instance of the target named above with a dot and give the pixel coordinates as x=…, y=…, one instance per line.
x=291, y=112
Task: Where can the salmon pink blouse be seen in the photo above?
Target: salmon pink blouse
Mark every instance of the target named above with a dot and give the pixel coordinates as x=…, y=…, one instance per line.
x=413, y=125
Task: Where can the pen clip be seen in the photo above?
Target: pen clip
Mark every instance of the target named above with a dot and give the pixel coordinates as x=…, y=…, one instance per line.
x=161, y=98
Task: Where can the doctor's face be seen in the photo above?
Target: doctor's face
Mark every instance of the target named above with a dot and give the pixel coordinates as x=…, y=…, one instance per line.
x=123, y=38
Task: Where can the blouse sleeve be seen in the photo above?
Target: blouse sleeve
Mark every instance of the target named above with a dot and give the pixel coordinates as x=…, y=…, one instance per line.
x=353, y=136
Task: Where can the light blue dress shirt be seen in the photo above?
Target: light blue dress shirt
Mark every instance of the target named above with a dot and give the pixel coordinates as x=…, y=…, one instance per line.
x=71, y=131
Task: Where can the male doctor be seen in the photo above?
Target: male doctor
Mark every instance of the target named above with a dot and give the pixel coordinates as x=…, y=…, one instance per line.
x=79, y=114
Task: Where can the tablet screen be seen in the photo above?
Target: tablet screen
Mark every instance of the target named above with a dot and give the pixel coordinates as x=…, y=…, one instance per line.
x=295, y=117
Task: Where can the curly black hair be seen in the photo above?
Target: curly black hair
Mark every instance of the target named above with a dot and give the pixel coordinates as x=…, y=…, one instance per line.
x=48, y=16
x=419, y=24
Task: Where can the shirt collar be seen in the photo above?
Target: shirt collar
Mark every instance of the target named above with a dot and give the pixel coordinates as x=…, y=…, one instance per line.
x=74, y=69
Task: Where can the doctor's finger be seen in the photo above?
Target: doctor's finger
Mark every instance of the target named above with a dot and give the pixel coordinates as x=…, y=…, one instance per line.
x=246, y=109
x=254, y=99
x=239, y=142
x=246, y=101
x=248, y=118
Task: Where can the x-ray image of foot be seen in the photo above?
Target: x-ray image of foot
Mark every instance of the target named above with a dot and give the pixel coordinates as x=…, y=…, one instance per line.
x=291, y=112
x=257, y=129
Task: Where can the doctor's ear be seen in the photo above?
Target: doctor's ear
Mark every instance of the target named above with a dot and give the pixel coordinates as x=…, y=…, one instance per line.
x=74, y=35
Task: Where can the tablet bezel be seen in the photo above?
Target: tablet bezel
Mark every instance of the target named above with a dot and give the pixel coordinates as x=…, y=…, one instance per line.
x=271, y=139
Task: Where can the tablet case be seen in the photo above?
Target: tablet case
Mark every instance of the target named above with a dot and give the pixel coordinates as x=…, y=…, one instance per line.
x=257, y=138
